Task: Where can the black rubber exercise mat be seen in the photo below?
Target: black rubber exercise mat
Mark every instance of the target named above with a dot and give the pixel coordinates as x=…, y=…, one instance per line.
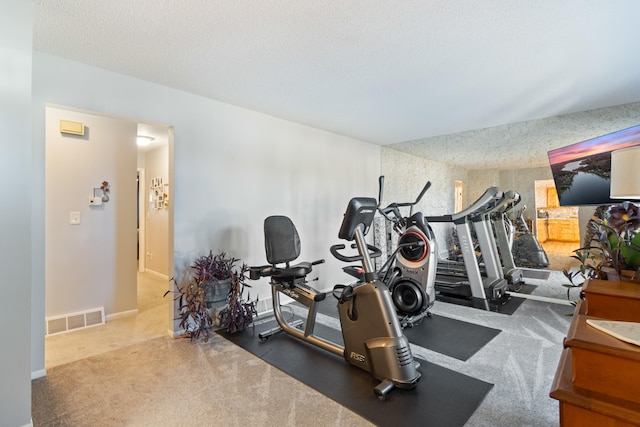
x=444, y=335
x=524, y=288
x=451, y=337
x=511, y=306
x=442, y=397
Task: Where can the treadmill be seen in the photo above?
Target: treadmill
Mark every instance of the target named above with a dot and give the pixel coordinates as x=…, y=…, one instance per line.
x=490, y=291
x=496, y=215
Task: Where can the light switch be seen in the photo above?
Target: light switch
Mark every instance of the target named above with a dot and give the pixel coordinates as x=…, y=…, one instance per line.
x=74, y=218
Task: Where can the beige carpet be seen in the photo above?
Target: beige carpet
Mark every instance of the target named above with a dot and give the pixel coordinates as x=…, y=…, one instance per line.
x=173, y=382
x=124, y=374
x=560, y=262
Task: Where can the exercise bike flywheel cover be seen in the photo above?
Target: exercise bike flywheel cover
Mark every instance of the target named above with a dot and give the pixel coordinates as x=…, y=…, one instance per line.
x=415, y=252
x=408, y=297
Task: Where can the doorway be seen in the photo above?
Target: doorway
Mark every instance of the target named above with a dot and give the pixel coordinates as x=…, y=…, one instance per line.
x=458, y=196
x=556, y=227
x=90, y=248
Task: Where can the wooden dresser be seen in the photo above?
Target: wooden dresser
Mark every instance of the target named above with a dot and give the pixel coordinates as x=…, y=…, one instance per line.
x=598, y=378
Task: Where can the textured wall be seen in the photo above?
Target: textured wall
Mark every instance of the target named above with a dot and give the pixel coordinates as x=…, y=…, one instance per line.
x=479, y=181
x=523, y=181
x=406, y=175
x=524, y=144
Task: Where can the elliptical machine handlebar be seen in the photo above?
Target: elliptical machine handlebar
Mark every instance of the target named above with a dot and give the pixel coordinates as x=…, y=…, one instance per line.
x=394, y=208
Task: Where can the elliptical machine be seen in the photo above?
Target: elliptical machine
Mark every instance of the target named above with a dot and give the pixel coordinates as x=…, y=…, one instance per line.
x=527, y=251
x=373, y=338
x=410, y=272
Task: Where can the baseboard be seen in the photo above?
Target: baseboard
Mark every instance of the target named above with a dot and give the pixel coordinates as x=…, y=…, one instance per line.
x=175, y=334
x=38, y=374
x=30, y=424
x=121, y=315
x=156, y=274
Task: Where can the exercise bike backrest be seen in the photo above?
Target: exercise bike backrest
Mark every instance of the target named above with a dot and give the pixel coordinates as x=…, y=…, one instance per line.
x=282, y=245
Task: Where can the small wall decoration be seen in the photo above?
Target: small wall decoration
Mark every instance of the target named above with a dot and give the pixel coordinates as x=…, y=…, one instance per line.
x=166, y=196
x=105, y=191
x=100, y=195
x=159, y=194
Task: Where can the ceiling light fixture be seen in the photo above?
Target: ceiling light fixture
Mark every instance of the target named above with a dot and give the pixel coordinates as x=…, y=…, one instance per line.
x=143, y=141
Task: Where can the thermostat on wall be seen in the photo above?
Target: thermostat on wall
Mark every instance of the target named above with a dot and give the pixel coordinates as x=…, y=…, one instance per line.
x=74, y=128
x=95, y=201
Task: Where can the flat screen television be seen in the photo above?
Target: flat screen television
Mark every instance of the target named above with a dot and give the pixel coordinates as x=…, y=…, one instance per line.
x=582, y=171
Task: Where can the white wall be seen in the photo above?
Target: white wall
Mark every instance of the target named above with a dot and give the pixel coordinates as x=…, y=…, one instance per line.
x=92, y=264
x=15, y=213
x=406, y=175
x=156, y=220
x=233, y=167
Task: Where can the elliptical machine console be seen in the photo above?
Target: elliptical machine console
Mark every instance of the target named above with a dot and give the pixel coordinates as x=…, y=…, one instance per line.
x=373, y=338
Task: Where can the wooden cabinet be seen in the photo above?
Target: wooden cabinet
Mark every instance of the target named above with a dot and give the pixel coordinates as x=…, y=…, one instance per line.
x=569, y=230
x=562, y=230
x=598, y=377
x=612, y=300
x=580, y=408
x=542, y=226
x=552, y=198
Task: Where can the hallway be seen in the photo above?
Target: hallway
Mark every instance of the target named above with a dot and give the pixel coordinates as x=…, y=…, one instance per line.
x=151, y=322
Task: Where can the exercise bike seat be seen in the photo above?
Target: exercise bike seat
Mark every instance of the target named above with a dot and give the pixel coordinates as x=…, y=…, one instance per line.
x=282, y=245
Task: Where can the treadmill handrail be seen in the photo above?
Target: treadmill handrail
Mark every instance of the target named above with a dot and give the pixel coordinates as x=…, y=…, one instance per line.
x=479, y=205
x=509, y=197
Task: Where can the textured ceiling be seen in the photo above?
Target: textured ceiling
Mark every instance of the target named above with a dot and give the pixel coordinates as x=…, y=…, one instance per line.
x=381, y=71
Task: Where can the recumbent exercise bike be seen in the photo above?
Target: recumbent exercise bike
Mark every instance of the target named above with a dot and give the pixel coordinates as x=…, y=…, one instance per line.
x=373, y=338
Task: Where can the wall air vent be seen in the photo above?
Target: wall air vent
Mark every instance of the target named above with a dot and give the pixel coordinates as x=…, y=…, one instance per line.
x=74, y=321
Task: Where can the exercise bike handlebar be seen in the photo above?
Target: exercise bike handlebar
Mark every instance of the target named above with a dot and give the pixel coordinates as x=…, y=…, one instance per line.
x=375, y=252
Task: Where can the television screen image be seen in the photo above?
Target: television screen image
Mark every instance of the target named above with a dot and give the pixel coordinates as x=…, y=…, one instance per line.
x=582, y=171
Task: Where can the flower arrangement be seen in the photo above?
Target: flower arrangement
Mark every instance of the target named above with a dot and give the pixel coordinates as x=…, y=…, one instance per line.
x=613, y=250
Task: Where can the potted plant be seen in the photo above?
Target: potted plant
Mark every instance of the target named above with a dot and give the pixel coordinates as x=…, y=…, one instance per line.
x=209, y=285
x=613, y=250
x=213, y=274
x=239, y=312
